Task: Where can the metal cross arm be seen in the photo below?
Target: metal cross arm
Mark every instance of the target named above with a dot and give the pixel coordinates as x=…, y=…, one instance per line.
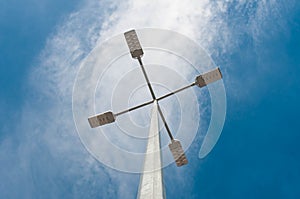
x=110, y=117
x=136, y=52
x=201, y=81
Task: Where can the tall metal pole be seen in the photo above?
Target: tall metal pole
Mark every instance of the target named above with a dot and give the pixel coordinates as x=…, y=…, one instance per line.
x=151, y=183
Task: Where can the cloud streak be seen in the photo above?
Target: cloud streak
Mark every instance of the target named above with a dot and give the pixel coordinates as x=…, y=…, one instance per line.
x=47, y=151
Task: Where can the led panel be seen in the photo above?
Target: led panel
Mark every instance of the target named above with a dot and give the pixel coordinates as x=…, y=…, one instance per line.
x=209, y=77
x=133, y=43
x=102, y=119
x=178, y=153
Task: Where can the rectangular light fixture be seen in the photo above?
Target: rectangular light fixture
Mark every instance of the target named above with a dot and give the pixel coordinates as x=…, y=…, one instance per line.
x=209, y=77
x=178, y=153
x=102, y=119
x=133, y=43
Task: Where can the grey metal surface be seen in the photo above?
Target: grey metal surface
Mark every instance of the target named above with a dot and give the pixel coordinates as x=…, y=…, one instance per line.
x=147, y=79
x=178, y=153
x=176, y=91
x=133, y=43
x=102, y=119
x=209, y=77
x=165, y=122
x=151, y=183
x=133, y=108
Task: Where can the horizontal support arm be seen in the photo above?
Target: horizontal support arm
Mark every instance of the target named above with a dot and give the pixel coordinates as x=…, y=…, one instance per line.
x=134, y=108
x=201, y=81
x=109, y=117
x=174, y=92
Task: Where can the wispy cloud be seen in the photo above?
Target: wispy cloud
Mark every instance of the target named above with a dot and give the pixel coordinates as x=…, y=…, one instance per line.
x=47, y=152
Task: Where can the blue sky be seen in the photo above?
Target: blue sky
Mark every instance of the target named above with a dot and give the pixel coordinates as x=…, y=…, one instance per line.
x=256, y=43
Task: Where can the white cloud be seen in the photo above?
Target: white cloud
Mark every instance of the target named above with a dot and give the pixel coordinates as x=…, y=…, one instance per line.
x=49, y=150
